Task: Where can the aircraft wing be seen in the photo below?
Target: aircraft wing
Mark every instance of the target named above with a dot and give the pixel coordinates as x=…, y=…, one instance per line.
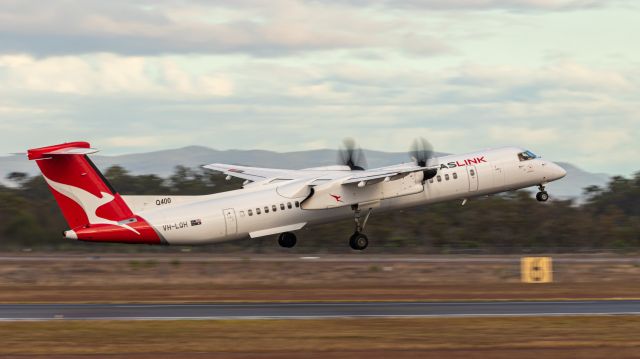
x=384, y=173
x=368, y=188
x=254, y=174
x=335, y=187
x=331, y=173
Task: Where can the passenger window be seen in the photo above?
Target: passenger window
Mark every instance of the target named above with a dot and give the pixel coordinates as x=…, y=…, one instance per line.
x=250, y=212
x=289, y=205
x=455, y=175
x=446, y=177
x=439, y=178
x=266, y=209
x=472, y=172
x=297, y=204
x=241, y=213
x=274, y=208
x=282, y=206
x=257, y=210
x=431, y=180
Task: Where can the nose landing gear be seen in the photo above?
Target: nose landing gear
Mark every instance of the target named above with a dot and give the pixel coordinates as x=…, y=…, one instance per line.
x=542, y=196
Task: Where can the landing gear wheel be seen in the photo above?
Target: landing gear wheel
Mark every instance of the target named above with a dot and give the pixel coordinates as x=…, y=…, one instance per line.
x=542, y=196
x=358, y=241
x=287, y=240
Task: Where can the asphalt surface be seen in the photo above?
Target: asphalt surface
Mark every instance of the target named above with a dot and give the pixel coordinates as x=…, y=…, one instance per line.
x=350, y=258
x=15, y=312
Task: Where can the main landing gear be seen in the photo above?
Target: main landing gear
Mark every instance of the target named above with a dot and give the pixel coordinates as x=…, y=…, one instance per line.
x=287, y=240
x=358, y=240
x=542, y=196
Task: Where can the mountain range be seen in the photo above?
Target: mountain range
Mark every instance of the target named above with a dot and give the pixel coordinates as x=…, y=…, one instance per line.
x=163, y=162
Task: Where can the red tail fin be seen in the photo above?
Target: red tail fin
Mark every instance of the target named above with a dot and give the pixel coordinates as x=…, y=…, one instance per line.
x=88, y=202
x=80, y=189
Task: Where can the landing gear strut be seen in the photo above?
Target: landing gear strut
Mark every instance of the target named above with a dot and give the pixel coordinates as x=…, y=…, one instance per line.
x=287, y=240
x=542, y=196
x=358, y=240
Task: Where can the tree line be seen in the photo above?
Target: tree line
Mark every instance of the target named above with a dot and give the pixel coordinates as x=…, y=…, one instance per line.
x=515, y=222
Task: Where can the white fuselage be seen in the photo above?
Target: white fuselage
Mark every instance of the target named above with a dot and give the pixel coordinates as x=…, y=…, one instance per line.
x=249, y=212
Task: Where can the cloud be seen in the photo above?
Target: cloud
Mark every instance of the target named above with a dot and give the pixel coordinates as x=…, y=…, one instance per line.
x=257, y=28
x=516, y=134
x=479, y=5
x=296, y=74
x=107, y=74
x=168, y=27
x=132, y=141
x=277, y=28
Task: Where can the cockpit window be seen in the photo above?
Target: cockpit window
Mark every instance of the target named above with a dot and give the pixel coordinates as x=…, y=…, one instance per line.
x=526, y=155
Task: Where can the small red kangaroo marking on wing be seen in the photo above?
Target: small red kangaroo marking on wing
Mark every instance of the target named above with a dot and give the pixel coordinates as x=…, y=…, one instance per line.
x=336, y=197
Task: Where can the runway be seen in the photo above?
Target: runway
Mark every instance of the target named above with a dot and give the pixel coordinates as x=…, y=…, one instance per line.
x=331, y=258
x=213, y=311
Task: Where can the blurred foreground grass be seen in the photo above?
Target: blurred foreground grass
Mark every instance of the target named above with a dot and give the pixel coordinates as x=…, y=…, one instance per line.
x=134, y=278
x=558, y=337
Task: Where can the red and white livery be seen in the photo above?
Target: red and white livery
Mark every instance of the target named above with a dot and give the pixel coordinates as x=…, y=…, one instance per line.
x=276, y=201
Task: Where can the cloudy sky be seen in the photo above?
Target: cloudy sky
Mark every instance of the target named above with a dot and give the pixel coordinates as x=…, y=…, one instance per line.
x=561, y=77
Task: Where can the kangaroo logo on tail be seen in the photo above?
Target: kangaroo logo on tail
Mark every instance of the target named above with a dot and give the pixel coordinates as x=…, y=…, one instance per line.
x=88, y=202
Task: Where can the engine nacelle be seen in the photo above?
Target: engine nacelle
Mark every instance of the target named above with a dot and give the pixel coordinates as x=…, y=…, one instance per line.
x=335, y=194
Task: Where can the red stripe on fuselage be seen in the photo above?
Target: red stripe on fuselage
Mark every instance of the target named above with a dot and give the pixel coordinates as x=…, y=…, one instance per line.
x=120, y=233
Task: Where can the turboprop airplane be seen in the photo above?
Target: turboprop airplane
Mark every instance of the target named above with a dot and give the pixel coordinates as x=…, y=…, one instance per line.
x=280, y=201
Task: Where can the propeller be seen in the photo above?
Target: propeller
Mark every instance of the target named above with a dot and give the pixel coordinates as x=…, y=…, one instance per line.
x=421, y=151
x=422, y=154
x=351, y=155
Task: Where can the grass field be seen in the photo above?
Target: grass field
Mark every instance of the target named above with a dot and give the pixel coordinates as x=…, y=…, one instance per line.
x=195, y=279
x=556, y=337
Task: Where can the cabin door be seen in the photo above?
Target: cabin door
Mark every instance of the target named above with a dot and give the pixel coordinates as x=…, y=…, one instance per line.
x=472, y=174
x=230, y=221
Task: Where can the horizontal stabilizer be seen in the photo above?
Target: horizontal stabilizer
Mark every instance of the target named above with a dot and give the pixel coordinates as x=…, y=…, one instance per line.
x=72, y=148
x=72, y=151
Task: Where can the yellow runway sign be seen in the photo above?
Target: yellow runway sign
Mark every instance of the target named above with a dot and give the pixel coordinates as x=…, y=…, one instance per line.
x=536, y=270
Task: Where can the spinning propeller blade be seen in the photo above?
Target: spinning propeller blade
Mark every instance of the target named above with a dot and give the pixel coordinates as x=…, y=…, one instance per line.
x=422, y=154
x=351, y=155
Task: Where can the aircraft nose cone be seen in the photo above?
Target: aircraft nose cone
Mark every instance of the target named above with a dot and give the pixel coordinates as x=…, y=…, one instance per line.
x=558, y=171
